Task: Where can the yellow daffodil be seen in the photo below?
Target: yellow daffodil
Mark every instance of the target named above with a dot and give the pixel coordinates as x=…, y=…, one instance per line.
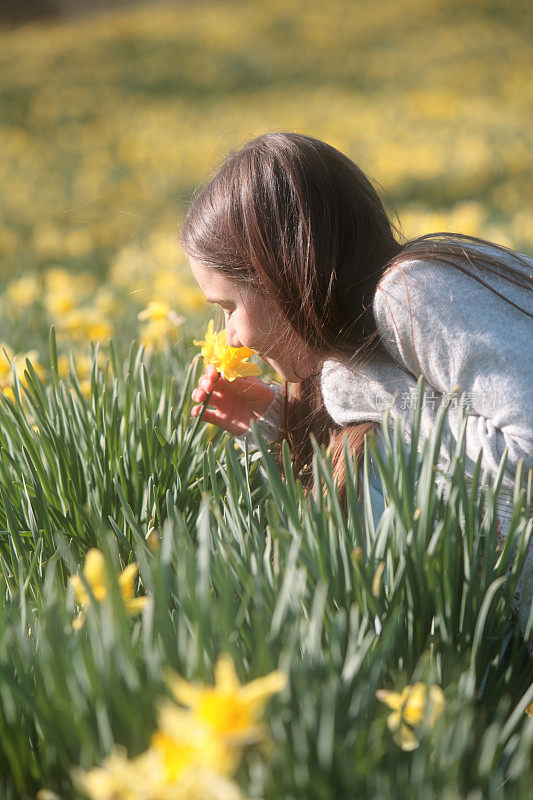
x=95, y=574
x=24, y=292
x=409, y=709
x=121, y=778
x=63, y=291
x=208, y=344
x=154, y=310
x=194, y=752
x=183, y=740
x=529, y=710
x=161, y=325
x=228, y=707
x=159, y=334
x=231, y=362
x=145, y=778
x=85, y=323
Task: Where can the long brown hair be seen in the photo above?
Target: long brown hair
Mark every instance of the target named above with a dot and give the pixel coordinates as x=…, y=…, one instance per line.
x=297, y=219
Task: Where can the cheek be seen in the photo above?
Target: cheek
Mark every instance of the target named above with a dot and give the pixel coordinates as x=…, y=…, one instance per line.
x=250, y=336
x=261, y=335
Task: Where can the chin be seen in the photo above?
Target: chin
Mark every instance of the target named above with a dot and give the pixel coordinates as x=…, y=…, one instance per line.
x=286, y=373
x=279, y=369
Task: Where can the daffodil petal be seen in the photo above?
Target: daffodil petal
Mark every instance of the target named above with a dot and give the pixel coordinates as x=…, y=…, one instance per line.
x=94, y=569
x=394, y=721
x=126, y=580
x=135, y=605
x=391, y=699
x=229, y=374
x=405, y=738
x=225, y=676
x=240, y=371
x=260, y=689
x=437, y=701
x=249, y=369
x=251, y=735
x=414, y=700
x=243, y=352
x=183, y=691
x=81, y=594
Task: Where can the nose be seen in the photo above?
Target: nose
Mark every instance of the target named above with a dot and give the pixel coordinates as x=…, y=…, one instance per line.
x=231, y=335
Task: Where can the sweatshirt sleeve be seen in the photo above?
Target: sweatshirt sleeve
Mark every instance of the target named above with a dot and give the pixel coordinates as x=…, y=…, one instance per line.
x=436, y=321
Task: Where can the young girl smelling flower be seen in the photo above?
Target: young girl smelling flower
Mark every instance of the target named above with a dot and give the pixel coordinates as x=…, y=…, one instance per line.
x=292, y=241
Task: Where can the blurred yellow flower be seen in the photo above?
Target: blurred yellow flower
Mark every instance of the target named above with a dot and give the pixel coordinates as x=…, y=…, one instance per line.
x=190, y=299
x=7, y=391
x=228, y=707
x=83, y=365
x=63, y=290
x=17, y=366
x=120, y=778
x=194, y=752
x=409, y=709
x=161, y=325
x=95, y=574
x=7, y=355
x=183, y=740
x=23, y=292
x=231, y=362
x=85, y=323
x=145, y=778
x=154, y=311
x=105, y=301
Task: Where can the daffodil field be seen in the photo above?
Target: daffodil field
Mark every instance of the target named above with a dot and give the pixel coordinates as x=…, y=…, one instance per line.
x=179, y=620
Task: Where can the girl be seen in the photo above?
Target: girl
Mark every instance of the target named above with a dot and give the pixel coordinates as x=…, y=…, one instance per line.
x=293, y=242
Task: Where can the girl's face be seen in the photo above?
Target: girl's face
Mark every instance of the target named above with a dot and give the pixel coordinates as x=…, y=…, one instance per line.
x=253, y=321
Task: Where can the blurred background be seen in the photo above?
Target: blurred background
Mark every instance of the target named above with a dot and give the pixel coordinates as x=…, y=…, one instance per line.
x=112, y=113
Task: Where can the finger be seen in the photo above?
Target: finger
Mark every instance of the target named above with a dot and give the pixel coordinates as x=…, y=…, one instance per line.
x=220, y=419
x=212, y=371
x=199, y=395
x=251, y=388
x=225, y=404
x=208, y=382
x=223, y=421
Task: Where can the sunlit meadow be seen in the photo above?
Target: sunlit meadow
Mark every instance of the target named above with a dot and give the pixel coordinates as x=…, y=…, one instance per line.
x=178, y=621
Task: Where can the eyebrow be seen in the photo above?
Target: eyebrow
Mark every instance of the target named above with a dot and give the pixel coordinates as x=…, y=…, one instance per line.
x=217, y=300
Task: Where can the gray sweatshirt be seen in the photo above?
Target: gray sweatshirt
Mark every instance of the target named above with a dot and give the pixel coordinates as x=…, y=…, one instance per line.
x=436, y=321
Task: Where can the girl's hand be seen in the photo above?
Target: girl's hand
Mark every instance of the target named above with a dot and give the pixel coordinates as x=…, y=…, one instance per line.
x=233, y=403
